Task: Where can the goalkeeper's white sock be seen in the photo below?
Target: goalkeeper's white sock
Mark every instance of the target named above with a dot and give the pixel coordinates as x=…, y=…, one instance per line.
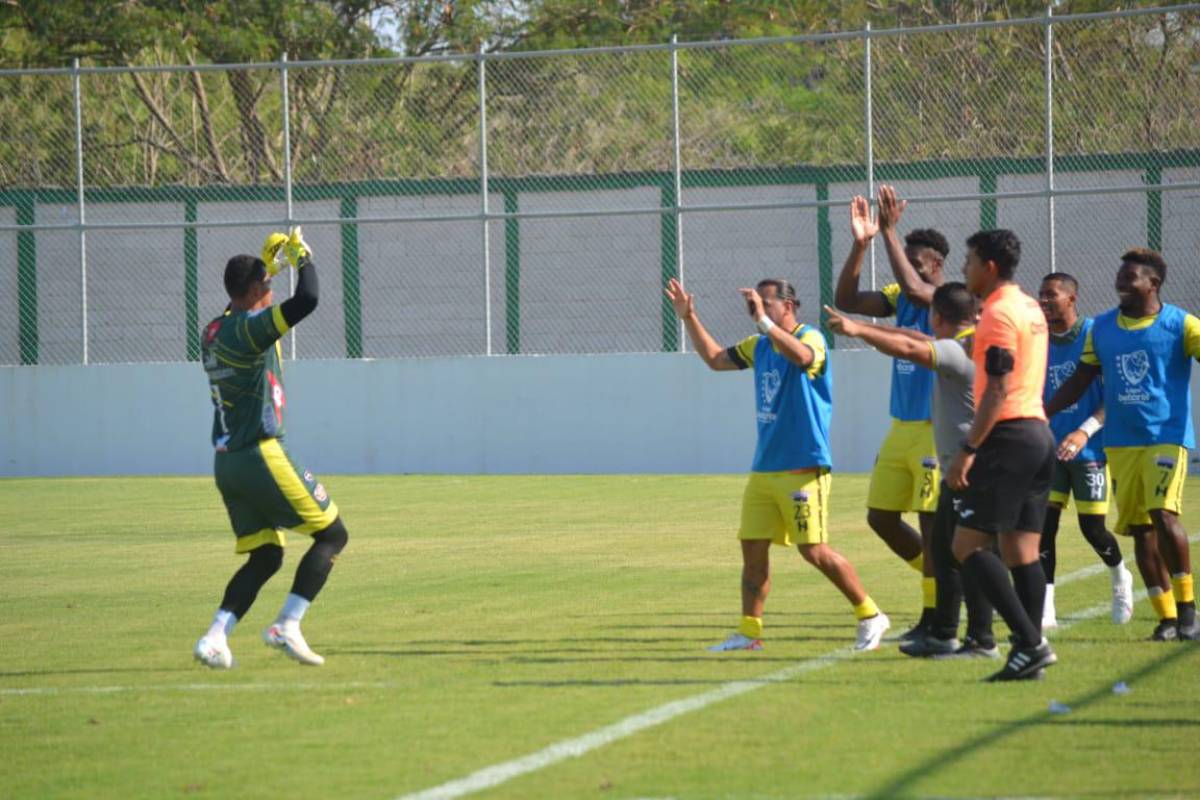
x=222, y=625
x=293, y=610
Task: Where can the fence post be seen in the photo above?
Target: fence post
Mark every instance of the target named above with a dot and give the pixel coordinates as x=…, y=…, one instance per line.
x=83, y=273
x=27, y=278
x=678, y=169
x=191, y=314
x=1049, y=40
x=512, y=273
x=351, y=282
x=483, y=200
x=868, y=113
x=287, y=175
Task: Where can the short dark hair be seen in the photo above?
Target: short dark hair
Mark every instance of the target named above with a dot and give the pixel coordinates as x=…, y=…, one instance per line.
x=1063, y=278
x=783, y=289
x=241, y=273
x=1148, y=258
x=954, y=303
x=1001, y=246
x=928, y=237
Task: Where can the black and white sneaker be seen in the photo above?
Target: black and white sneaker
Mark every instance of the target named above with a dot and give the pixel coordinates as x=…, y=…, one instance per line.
x=918, y=631
x=1024, y=663
x=972, y=648
x=1167, y=630
x=928, y=647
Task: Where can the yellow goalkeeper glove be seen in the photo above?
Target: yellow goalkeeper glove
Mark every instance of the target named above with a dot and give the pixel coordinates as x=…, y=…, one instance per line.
x=296, y=248
x=273, y=254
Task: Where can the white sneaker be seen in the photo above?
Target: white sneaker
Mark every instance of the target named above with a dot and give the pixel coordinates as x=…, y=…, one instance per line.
x=1049, y=615
x=737, y=641
x=213, y=653
x=289, y=639
x=1122, y=597
x=870, y=631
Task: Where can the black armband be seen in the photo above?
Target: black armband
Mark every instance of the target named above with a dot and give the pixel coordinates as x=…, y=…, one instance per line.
x=998, y=361
x=736, y=358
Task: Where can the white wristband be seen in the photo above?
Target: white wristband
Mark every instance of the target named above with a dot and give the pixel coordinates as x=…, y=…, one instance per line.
x=1090, y=426
x=764, y=324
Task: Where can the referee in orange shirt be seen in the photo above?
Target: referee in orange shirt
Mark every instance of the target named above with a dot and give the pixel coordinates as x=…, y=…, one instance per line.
x=1004, y=467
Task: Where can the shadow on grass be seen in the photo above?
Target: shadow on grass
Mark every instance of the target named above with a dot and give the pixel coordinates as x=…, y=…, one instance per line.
x=903, y=783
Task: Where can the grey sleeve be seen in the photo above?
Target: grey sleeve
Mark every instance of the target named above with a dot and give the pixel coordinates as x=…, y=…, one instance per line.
x=952, y=360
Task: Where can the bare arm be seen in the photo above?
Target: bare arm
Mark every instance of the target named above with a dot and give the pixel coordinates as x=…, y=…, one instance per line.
x=785, y=342
x=889, y=340
x=915, y=288
x=847, y=297
x=1073, y=389
x=684, y=303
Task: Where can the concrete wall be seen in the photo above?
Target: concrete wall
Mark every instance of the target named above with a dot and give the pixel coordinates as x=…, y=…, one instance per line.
x=556, y=414
x=633, y=413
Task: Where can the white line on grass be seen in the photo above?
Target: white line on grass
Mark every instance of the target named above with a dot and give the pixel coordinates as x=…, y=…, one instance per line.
x=497, y=774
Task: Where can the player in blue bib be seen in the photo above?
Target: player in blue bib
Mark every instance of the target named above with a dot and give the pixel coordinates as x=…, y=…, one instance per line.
x=1144, y=348
x=1082, y=467
x=786, y=500
x=906, y=475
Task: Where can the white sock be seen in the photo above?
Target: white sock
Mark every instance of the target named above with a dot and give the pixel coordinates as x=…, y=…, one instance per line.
x=293, y=609
x=1118, y=571
x=1049, y=604
x=222, y=624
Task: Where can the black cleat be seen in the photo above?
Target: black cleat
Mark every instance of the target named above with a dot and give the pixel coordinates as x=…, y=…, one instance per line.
x=1189, y=633
x=1167, y=630
x=918, y=631
x=973, y=648
x=928, y=646
x=1025, y=663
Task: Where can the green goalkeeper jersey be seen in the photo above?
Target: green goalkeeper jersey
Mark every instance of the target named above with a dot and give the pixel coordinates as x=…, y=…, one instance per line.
x=241, y=354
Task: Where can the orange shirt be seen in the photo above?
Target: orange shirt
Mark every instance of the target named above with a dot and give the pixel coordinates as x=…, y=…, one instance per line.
x=1013, y=320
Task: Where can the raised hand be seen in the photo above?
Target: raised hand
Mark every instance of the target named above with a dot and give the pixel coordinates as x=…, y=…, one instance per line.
x=861, y=225
x=754, y=303
x=296, y=248
x=890, y=207
x=683, y=302
x=841, y=325
x=273, y=253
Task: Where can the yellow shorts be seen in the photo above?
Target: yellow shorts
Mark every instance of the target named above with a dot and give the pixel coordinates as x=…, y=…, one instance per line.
x=787, y=507
x=1146, y=479
x=906, y=475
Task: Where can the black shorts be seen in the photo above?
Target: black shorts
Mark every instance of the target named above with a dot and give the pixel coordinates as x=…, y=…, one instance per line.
x=1009, y=483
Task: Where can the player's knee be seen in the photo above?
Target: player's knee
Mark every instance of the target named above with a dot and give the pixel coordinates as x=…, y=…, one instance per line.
x=266, y=560
x=882, y=521
x=335, y=536
x=815, y=554
x=1092, y=526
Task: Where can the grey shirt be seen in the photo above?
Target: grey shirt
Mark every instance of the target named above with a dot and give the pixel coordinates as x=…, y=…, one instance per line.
x=953, y=396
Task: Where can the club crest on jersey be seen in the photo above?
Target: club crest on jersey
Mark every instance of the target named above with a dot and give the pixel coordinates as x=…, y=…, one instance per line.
x=770, y=386
x=319, y=493
x=210, y=333
x=278, y=401
x=1133, y=368
x=1061, y=373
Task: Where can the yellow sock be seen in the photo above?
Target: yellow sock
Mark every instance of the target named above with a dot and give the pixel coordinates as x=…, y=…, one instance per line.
x=917, y=563
x=866, y=608
x=1181, y=587
x=929, y=592
x=751, y=627
x=1163, y=602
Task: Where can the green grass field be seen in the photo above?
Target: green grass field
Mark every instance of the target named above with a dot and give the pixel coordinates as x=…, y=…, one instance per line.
x=477, y=621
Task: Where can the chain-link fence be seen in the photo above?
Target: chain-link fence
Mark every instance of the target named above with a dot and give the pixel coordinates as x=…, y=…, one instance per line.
x=537, y=202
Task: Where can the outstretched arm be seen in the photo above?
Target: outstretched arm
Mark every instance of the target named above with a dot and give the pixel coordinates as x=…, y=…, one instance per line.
x=684, y=303
x=1073, y=389
x=304, y=299
x=847, y=297
x=915, y=288
x=889, y=340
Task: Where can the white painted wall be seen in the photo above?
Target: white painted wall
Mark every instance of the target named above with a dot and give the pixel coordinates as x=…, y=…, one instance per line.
x=555, y=414
x=634, y=413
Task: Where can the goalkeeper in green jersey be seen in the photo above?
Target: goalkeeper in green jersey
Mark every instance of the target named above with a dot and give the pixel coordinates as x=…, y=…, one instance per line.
x=264, y=490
